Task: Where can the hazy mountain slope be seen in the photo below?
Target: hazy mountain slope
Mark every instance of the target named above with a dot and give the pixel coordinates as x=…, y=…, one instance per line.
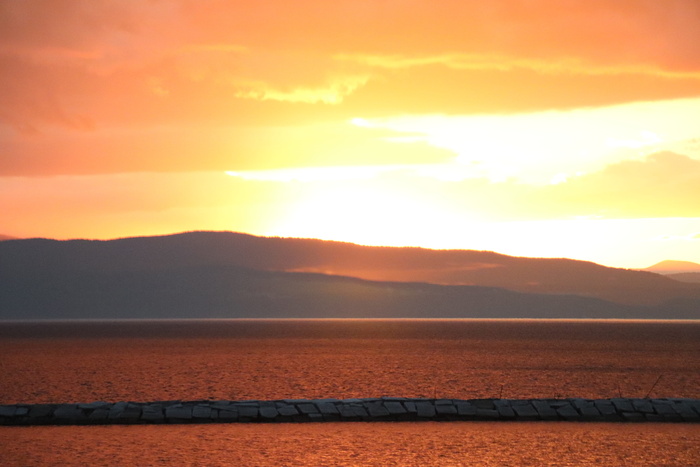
x=233, y=292
x=693, y=277
x=455, y=267
x=674, y=267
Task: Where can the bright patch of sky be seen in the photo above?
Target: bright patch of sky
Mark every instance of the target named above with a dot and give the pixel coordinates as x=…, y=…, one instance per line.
x=550, y=147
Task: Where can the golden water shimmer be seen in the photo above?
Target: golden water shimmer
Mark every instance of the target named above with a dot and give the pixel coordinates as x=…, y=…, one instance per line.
x=356, y=444
x=142, y=361
x=238, y=360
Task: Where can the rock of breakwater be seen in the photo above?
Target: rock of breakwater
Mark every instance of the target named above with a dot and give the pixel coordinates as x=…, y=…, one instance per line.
x=367, y=410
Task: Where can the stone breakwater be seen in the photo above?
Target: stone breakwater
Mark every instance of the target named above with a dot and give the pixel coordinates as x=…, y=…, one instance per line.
x=367, y=410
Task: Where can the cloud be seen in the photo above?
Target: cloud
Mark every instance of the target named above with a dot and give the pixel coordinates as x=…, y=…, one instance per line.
x=210, y=148
x=663, y=184
x=332, y=93
x=435, y=88
x=83, y=65
x=461, y=61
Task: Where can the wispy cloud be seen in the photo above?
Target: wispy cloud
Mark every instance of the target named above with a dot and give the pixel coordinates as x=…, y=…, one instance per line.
x=572, y=65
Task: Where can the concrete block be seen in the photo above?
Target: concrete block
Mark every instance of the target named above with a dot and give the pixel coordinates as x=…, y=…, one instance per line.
x=178, y=412
x=482, y=403
x=579, y=403
x=556, y=403
x=568, y=412
x=395, y=408
x=347, y=411
x=506, y=412
x=8, y=410
x=116, y=409
x=544, y=410
x=526, y=412
x=425, y=410
x=446, y=410
x=605, y=407
x=664, y=409
x=268, y=413
x=327, y=408
x=360, y=411
x=226, y=415
x=623, y=405
x=40, y=411
x=99, y=415
x=201, y=412
x=287, y=410
x=152, y=413
x=307, y=408
x=220, y=405
x=642, y=405
x=247, y=413
x=686, y=412
x=377, y=410
x=69, y=413
x=94, y=405
x=130, y=413
x=590, y=413
x=465, y=409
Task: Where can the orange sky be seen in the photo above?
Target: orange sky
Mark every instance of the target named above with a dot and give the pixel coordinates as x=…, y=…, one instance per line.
x=541, y=128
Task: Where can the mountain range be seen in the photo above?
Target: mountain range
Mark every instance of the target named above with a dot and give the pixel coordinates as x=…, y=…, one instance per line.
x=684, y=271
x=232, y=275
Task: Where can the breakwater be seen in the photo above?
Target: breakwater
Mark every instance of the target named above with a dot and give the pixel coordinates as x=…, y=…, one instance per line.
x=367, y=410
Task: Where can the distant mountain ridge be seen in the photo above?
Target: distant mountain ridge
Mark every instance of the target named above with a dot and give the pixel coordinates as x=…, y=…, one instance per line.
x=674, y=267
x=225, y=274
x=444, y=267
x=693, y=277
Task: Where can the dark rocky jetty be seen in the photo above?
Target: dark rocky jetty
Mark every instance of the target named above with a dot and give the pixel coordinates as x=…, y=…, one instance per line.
x=365, y=410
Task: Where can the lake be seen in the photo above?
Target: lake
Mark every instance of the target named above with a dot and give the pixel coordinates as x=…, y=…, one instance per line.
x=276, y=359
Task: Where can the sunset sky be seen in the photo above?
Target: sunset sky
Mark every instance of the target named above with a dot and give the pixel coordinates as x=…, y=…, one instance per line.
x=552, y=128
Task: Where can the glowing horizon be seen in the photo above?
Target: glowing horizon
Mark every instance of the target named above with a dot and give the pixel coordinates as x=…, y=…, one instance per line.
x=530, y=130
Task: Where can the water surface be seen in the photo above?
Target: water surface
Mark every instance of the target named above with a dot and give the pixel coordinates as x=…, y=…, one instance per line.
x=147, y=361
x=356, y=444
x=364, y=358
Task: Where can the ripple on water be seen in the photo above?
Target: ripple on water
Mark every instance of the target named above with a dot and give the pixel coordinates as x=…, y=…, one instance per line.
x=404, y=444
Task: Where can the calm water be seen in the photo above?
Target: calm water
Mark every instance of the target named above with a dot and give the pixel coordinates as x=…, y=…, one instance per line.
x=314, y=359
x=365, y=444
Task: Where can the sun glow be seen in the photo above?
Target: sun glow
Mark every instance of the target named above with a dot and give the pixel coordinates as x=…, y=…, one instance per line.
x=369, y=213
x=573, y=133
x=505, y=185
x=537, y=147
